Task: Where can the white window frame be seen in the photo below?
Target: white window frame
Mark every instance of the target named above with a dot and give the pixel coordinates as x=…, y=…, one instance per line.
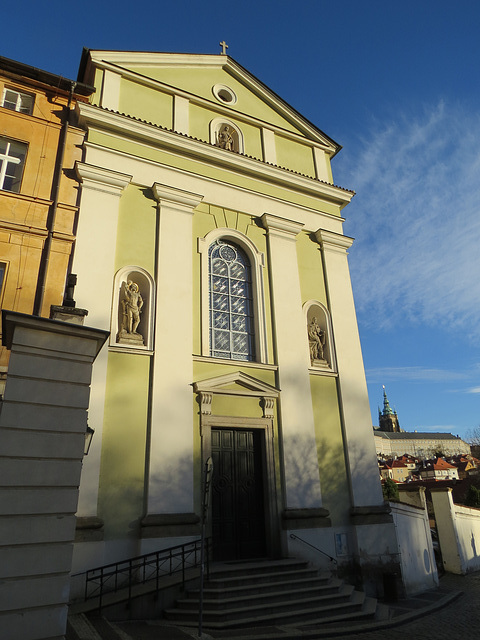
x=6, y=158
x=224, y=94
x=18, y=103
x=257, y=263
x=3, y=278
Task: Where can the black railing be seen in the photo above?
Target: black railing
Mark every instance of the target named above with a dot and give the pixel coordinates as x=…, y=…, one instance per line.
x=151, y=567
x=294, y=537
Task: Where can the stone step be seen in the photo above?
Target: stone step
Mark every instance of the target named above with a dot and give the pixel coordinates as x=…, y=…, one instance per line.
x=281, y=599
x=228, y=582
x=325, y=584
x=250, y=567
x=301, y=613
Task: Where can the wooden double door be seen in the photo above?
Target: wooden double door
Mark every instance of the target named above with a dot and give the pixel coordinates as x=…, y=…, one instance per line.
x=238, y=514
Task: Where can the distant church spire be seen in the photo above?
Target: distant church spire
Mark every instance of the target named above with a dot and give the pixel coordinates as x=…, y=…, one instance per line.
x=387, y=410
x=388, y=419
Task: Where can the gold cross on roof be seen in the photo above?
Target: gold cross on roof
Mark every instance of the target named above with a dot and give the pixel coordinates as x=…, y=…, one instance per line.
x=224, y=46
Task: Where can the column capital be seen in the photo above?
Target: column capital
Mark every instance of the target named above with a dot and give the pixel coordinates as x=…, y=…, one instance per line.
x=333, y=241
x=281, y=226
x=101, y=179
x=170, y=196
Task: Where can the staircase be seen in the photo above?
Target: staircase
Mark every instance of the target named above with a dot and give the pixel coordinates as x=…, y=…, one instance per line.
x=285, y=592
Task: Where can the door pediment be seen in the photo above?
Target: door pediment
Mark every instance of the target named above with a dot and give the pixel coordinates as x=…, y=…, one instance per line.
x=236, y=384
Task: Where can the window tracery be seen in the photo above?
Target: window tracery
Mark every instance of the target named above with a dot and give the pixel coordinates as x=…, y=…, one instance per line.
x=231, y=302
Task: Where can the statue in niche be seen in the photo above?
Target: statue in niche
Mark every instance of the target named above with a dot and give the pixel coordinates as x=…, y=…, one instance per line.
x=316, y=340
x=131, y=305
x=225, y=139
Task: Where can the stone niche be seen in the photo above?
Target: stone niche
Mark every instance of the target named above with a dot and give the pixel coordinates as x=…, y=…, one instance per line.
x=132, y=309
x=319, y=333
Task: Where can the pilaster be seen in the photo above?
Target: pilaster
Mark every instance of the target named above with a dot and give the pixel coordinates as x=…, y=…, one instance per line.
x=269, y=148
x=110, y=97
x=94, y=262
x=302, y=483
x=357, y=422
x=181, y=114
x=170, y=475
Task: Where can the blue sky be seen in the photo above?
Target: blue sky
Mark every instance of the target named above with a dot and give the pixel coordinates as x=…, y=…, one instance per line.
x=397, y=84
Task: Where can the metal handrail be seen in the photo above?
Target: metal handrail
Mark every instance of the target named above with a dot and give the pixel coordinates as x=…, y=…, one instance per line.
x=125, y=574
x=294, y=537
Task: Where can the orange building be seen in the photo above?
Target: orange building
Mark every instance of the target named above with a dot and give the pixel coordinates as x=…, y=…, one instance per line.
x=39, y=144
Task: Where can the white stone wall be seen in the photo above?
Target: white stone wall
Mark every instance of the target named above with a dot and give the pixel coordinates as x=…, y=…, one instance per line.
x=43, y=421
x=417, y=559
x=458, y=532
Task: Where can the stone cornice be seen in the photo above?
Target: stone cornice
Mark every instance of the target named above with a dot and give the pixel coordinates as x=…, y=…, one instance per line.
x=101, y=179
x=166, y=195
x=13, y=319
x=333, y=241
x=281, y=226
x=128, y=127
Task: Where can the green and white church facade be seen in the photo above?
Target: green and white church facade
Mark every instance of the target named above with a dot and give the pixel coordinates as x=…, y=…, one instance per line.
x=210, y=245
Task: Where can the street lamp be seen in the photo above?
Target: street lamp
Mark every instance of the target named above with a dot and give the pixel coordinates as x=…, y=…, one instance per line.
x=88, y=439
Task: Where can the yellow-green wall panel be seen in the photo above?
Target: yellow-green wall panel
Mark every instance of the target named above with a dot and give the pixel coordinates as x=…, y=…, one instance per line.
x=122, y=467
x=294, y=156
x=235, y=406
x=331, y=459
x=146, y=103
x=310, y=267
x=136, y=229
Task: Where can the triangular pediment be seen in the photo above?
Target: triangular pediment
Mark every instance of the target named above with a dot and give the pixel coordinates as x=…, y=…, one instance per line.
x=237, y=383
x=194, y=75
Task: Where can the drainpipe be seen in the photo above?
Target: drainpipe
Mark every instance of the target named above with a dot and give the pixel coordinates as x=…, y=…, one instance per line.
x=45, y=260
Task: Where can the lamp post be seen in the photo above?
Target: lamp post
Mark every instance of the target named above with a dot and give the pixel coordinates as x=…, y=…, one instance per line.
x=88, y=439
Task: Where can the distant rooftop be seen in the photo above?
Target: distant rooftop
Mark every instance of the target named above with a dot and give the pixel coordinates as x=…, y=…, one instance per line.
x=404, y=435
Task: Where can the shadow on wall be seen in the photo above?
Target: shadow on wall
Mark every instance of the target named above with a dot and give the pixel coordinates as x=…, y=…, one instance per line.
x=333, y=481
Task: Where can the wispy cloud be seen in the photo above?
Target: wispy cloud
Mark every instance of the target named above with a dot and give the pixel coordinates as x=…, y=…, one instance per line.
x=473, y=390
x=423, y=374
x=416, y=220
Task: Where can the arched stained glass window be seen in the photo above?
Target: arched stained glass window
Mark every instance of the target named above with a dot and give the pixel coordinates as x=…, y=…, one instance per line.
x=231, y=303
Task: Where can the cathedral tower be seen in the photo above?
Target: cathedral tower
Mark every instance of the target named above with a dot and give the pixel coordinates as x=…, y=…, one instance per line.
x=388, y=419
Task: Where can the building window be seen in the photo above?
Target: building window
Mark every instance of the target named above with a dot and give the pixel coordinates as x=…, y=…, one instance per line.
x=3, y=269
x=16, y=101
x=224, y=94
x=252, y=261
x=12, y=160
x=231, y=303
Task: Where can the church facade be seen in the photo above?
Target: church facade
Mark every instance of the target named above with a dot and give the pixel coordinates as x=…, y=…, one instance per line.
x=210, y=245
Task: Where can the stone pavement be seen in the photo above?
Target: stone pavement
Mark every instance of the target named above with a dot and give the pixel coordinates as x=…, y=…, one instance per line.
x=449, y=613
x=459, y=619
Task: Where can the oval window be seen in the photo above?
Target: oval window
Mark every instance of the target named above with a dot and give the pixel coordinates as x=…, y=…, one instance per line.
x=224, y=94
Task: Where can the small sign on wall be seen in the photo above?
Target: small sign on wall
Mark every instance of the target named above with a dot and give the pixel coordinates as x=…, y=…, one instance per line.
x=341, y=547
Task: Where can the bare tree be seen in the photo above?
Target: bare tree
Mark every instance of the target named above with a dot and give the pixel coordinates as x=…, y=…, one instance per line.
x=472, y=436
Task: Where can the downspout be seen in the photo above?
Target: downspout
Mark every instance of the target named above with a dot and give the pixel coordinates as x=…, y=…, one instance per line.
x=45, y=260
